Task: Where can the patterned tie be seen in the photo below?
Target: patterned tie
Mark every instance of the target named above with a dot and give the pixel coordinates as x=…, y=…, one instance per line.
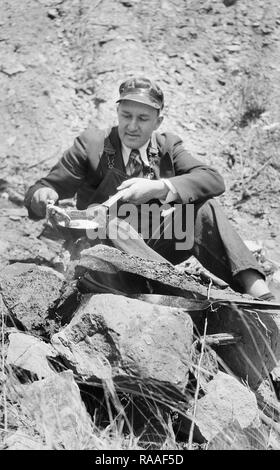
x=134, y=165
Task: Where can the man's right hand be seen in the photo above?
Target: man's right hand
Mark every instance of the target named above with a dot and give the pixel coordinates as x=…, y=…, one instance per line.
x=40, y=199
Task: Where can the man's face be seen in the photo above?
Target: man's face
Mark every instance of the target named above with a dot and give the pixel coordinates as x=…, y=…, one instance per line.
x=137, y=121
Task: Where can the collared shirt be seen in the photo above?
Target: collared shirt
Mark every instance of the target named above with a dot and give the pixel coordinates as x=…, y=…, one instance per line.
x=143, y=153
x=172, y=194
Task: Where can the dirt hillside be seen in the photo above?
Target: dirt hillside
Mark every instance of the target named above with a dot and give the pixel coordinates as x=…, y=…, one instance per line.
x=218, y=62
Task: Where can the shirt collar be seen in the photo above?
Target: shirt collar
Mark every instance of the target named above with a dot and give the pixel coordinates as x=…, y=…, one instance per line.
x=143, y=152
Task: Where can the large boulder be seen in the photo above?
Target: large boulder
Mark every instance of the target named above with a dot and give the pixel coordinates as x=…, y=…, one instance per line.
x=29, y=354
x=103, y=269
x=31, y=295
x=256, y=349
x=128, y=340
x=226, y=403
x=57, y=409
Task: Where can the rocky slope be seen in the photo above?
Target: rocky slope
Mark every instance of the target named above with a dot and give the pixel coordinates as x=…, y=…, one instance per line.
x=218, y=63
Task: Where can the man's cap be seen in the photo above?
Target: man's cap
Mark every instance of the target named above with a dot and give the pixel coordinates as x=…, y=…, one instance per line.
x=143, y=91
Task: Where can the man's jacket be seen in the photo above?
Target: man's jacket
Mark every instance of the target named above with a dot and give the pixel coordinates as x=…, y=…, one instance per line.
x=84, y=165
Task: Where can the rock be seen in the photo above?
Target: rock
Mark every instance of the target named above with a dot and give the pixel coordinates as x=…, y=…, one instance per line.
x=4, y=196
x=30, y=293
x=268, y=267
x=272, y=250
x=10, y=65
x=226, y=402
x=27, y=353
x=60, y=415
x=236, y=438
x=267, y=29
x=165, y=5
x=11, y=140
x=195, y=308
x=191, y=64
x=112, y=270
x=52, y=13
x=229, y=3
x=190, y=126
x=267, y=400
x=16, y=214
x=255, y=247
x=233, y=48
x=274, y=286
x=4, y=245
x=30, y=249
x=50, y=3
x=18, y=199
x=179, y=78
x=127, y=4
x=128, y=340
x=276, y=277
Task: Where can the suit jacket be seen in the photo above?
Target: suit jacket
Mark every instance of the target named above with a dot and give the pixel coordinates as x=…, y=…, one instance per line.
x=83, y=166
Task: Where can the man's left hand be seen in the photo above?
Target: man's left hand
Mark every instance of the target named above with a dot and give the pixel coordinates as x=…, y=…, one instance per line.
x=142, y=190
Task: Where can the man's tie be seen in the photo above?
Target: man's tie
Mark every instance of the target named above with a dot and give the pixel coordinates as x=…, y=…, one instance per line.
x=134, y=165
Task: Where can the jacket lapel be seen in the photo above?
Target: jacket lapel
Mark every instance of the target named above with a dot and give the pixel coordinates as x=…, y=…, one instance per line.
x=113, y=150
x=164, y=162
x=112, y=155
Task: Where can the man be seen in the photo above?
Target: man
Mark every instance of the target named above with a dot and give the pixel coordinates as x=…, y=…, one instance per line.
x=146, y=167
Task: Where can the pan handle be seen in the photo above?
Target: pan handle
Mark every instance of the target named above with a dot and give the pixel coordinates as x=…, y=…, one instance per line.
x=113, y=199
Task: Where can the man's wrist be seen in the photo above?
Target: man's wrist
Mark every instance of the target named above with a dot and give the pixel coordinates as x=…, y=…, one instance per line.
x=161, y=189
x=171, y=194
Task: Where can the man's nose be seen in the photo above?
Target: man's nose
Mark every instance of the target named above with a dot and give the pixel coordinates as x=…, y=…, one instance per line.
x=133, y=125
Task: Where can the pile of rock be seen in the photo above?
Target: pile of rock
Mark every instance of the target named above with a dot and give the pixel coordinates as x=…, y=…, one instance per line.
x=126, y=332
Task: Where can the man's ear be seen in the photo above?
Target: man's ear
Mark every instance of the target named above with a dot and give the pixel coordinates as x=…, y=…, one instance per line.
x=159, y=121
